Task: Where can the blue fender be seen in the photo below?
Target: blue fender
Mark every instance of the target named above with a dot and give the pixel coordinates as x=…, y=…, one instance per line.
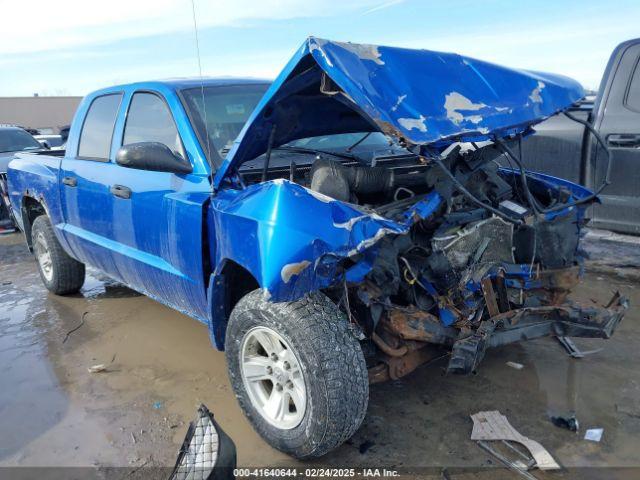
x=293, y=240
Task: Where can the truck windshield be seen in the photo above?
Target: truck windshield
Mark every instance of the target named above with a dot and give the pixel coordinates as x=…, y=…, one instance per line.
x=227, y=109
x=343, y=141
x=15, y=140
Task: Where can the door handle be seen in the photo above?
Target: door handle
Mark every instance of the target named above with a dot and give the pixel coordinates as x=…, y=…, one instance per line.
x=70, y=181
x=628, y=140
x=121, y=191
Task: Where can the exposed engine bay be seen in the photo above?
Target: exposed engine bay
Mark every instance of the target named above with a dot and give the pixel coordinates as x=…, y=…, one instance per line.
x=424, y=238
x=493, y=265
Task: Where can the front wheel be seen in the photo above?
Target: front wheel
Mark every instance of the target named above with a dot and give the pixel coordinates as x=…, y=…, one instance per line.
x=60, y=273
x=298, y=372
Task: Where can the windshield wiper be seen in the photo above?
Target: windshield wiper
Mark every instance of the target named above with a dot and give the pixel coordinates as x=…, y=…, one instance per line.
x=360, y=140
x=315, y=151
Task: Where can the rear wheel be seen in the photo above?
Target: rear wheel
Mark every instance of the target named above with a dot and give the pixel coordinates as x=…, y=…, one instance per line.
x=60, y=273
x=298, y=372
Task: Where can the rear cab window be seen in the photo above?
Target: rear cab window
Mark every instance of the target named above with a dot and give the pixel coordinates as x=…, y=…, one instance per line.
x=98, y=127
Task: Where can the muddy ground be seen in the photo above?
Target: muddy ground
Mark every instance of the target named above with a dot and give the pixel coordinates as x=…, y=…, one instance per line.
x=161, y=366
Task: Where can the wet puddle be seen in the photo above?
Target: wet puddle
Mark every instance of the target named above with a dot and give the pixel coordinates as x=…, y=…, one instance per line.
x=39, y=422
x=27, y=376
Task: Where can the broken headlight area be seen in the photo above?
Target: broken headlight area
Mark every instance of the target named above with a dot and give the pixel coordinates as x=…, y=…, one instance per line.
x=493, y=264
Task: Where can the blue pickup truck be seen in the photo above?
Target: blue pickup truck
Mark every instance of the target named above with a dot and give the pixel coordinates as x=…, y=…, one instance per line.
x=334, y=228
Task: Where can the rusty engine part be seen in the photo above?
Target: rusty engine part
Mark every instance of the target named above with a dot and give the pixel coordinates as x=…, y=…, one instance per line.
x=404, y=345
x=417, y=325
x=411, y=339
x=393, y=368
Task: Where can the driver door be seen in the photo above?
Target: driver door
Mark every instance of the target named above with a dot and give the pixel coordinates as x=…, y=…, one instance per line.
x=158, y=216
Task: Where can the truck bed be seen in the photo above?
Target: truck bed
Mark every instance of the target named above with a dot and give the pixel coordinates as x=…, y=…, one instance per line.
x=37, y=174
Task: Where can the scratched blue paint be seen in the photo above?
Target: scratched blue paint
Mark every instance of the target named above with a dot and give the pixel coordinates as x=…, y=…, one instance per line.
x=426, y=97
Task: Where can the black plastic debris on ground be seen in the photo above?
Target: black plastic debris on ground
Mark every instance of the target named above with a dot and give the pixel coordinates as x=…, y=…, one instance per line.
x=207, y=451
x=570, y=422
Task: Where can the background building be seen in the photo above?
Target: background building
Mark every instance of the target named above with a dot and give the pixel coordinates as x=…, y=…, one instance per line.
x=46, y=114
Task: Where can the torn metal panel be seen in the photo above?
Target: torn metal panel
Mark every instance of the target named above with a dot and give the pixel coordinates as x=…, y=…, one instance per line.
x=493, y=425
x=419, y=96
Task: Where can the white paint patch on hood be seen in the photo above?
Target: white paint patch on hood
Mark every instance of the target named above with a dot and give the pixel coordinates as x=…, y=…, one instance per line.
x=417, y=123
x=363, y=51
x=535, y=96
x=400, y=100
x=455, y=101
x=475, y=119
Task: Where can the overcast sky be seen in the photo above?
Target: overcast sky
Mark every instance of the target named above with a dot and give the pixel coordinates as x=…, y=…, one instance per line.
x=70, y=47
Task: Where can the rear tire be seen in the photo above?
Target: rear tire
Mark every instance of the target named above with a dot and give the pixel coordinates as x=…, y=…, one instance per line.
x=60, y=273
x=318, y=358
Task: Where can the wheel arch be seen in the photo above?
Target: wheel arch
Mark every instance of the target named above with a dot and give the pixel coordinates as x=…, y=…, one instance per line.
x=227, y=285
x=30, y=209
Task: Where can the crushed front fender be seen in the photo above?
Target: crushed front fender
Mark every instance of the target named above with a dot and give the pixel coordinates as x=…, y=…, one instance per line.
x=294, y=240
x=571, y=320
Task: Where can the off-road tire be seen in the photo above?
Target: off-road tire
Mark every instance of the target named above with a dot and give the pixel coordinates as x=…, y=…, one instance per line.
x=332, y=362
x=67, y=274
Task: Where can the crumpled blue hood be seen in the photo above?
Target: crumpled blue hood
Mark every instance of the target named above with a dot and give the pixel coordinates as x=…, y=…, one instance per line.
x=418, y=96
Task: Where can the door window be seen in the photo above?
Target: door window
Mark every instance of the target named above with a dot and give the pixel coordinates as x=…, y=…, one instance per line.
x=633, y=95
x=150, y=120
x=97, y=130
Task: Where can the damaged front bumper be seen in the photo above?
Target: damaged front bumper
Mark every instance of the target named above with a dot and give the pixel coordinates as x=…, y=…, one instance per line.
x=571, y=320
x=468, y=347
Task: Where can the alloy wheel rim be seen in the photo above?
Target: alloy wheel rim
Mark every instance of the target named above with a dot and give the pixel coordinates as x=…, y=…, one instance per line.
x=44, y=257
x=273, y=378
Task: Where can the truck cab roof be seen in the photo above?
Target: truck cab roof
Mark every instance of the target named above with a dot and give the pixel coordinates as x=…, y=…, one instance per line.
x=181, y=83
